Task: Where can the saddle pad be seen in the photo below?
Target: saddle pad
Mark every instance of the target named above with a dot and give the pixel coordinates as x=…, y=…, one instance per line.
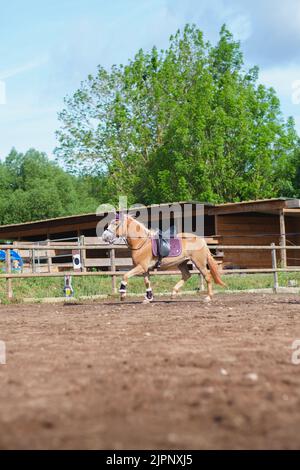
x=175, y=247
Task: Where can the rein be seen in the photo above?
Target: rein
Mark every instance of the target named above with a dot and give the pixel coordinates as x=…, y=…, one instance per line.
x=139, y=247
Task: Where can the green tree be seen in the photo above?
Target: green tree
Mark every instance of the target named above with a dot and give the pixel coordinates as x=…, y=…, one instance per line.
x=183, y=123
x=32, y=187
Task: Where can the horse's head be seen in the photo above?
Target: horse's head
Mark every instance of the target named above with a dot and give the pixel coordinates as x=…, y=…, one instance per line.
x=116, y=229
x=123, y=226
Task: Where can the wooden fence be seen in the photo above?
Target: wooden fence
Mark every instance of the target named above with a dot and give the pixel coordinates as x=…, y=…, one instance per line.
x=55, y=256
x=113, y=263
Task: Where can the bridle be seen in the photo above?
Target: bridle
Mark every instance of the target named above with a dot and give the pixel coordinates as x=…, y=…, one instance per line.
x=113, y=234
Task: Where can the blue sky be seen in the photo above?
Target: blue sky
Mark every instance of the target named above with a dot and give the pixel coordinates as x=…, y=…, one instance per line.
x=47, y=48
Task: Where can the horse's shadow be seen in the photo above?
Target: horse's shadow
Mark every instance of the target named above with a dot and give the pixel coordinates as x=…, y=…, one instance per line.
x=130, y=302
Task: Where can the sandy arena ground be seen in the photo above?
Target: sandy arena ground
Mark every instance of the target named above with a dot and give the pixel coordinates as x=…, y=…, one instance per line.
x=167, y=375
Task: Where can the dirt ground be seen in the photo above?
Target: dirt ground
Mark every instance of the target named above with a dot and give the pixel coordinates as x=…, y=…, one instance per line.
x=167, y=375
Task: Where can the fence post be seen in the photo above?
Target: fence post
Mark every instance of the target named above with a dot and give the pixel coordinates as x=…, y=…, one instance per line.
x=113, y=268
x=274, y=266
x=33, y=260
x=201, y=282
x=82, y=254
x=49, y=257
x=9, y=291
x=282, y=239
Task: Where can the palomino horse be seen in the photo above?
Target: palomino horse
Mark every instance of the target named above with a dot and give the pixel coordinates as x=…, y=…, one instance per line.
x=139, y=240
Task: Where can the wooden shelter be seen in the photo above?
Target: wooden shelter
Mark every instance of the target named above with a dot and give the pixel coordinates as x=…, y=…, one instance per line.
x=259, y=222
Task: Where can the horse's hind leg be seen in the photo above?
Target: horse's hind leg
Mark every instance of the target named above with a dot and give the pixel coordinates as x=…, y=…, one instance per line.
x=185, y=276
x=149, y=293
x=199, y=260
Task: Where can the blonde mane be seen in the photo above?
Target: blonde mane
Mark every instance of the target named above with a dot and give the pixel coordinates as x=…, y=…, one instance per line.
x=131, y=218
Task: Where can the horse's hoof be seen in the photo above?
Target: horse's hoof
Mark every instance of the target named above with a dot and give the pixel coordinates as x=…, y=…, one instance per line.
x=207, y=299
x=175, y=295
x=122, y=298
x=147, y=301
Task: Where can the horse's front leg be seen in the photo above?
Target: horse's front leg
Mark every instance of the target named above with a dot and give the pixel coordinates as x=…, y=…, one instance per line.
x=149, y=294
x=133, y=272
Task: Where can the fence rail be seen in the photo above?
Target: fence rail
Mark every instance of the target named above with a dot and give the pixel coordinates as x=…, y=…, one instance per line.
x=113, y=273
x=109, y=247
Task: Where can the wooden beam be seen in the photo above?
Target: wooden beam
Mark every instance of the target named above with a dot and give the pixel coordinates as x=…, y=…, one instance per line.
x=113, y=268
x=49, y=256
x=83, y=254
x=266, y=207
x=291, y=211
x=282, y=238
x=154, y=273
x=104, y=262
x=9, y=291
x=216, y=227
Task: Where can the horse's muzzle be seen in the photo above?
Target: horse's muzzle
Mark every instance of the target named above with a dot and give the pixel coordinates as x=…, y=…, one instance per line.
x=107, y=236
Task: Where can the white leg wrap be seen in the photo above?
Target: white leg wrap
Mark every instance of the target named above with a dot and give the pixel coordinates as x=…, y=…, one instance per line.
x=122, y=289
x=149, y=295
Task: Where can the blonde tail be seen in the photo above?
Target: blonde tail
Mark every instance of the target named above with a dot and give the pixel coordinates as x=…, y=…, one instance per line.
x=213, y=267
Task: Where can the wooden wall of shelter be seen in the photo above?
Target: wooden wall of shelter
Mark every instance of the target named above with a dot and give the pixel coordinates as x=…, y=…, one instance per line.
x=248, y=229
x=258, y=223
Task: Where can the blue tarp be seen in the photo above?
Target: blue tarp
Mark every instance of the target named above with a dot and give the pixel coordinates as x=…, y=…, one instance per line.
x=14, y=256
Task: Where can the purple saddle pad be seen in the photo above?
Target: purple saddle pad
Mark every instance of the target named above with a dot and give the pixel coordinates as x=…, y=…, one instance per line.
x=175, y=247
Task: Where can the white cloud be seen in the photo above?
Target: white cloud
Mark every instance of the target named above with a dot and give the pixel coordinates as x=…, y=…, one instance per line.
x=33, y=64
x=281, y=78
x=241, y=27
x=284, y=80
